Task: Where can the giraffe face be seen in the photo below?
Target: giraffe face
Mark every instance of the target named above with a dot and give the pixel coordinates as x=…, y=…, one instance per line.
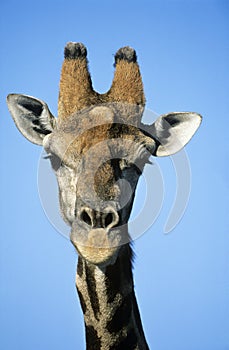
x=97, y=160
x=98, y=147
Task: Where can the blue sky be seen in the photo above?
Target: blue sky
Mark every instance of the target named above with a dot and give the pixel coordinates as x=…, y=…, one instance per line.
x=181, y=278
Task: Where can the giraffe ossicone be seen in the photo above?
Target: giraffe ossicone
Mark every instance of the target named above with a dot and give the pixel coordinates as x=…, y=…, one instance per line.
x=98, y=147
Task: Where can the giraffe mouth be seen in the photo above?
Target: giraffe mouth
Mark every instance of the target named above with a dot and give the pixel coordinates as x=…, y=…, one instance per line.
x=98, y=245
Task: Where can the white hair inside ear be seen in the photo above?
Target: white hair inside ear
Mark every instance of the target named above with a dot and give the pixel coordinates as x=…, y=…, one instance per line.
x=31, y=116
x=173, y=131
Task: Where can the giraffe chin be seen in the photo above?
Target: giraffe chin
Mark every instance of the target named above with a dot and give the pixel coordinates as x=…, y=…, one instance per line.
x=100, y=247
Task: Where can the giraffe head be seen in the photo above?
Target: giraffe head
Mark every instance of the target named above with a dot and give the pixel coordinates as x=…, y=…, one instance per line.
x=98, y=147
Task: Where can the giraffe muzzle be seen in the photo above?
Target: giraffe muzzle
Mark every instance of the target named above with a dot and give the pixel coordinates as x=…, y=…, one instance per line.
x=97, y=246
x=96, y=234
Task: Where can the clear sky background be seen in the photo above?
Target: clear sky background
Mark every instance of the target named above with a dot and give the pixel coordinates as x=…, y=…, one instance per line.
x=181, y=278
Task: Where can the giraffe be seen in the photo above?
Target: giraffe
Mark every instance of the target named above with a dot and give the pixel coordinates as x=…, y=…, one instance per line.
x=98, y=148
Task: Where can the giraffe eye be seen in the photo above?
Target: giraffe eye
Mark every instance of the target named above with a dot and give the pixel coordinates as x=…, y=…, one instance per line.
x=55, y=161
x=123, y=164
x=137, y=166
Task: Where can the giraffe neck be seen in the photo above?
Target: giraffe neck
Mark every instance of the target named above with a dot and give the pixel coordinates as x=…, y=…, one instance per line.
x=108, y=301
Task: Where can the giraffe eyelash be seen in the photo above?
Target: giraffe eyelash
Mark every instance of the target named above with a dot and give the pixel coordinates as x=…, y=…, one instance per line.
x=55, y=161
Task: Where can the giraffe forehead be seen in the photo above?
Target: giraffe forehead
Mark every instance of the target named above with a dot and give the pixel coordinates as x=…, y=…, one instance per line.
x=87, y=118
x=71, y=145
x=82, y=131
x=101, y=142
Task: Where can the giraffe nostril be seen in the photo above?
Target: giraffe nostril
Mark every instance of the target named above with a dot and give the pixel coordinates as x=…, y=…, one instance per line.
x=85, y=217
x=108, y=219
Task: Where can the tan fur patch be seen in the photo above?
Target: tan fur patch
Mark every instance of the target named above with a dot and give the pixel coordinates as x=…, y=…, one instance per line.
x=127, y=84
x=76, y=91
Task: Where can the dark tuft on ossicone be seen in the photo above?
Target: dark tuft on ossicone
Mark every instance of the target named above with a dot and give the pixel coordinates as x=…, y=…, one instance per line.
x=126, y=53
x=75, y=50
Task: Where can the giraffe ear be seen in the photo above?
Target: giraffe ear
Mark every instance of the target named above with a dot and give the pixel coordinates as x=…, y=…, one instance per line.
x=31, y=116
x=172, y=131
